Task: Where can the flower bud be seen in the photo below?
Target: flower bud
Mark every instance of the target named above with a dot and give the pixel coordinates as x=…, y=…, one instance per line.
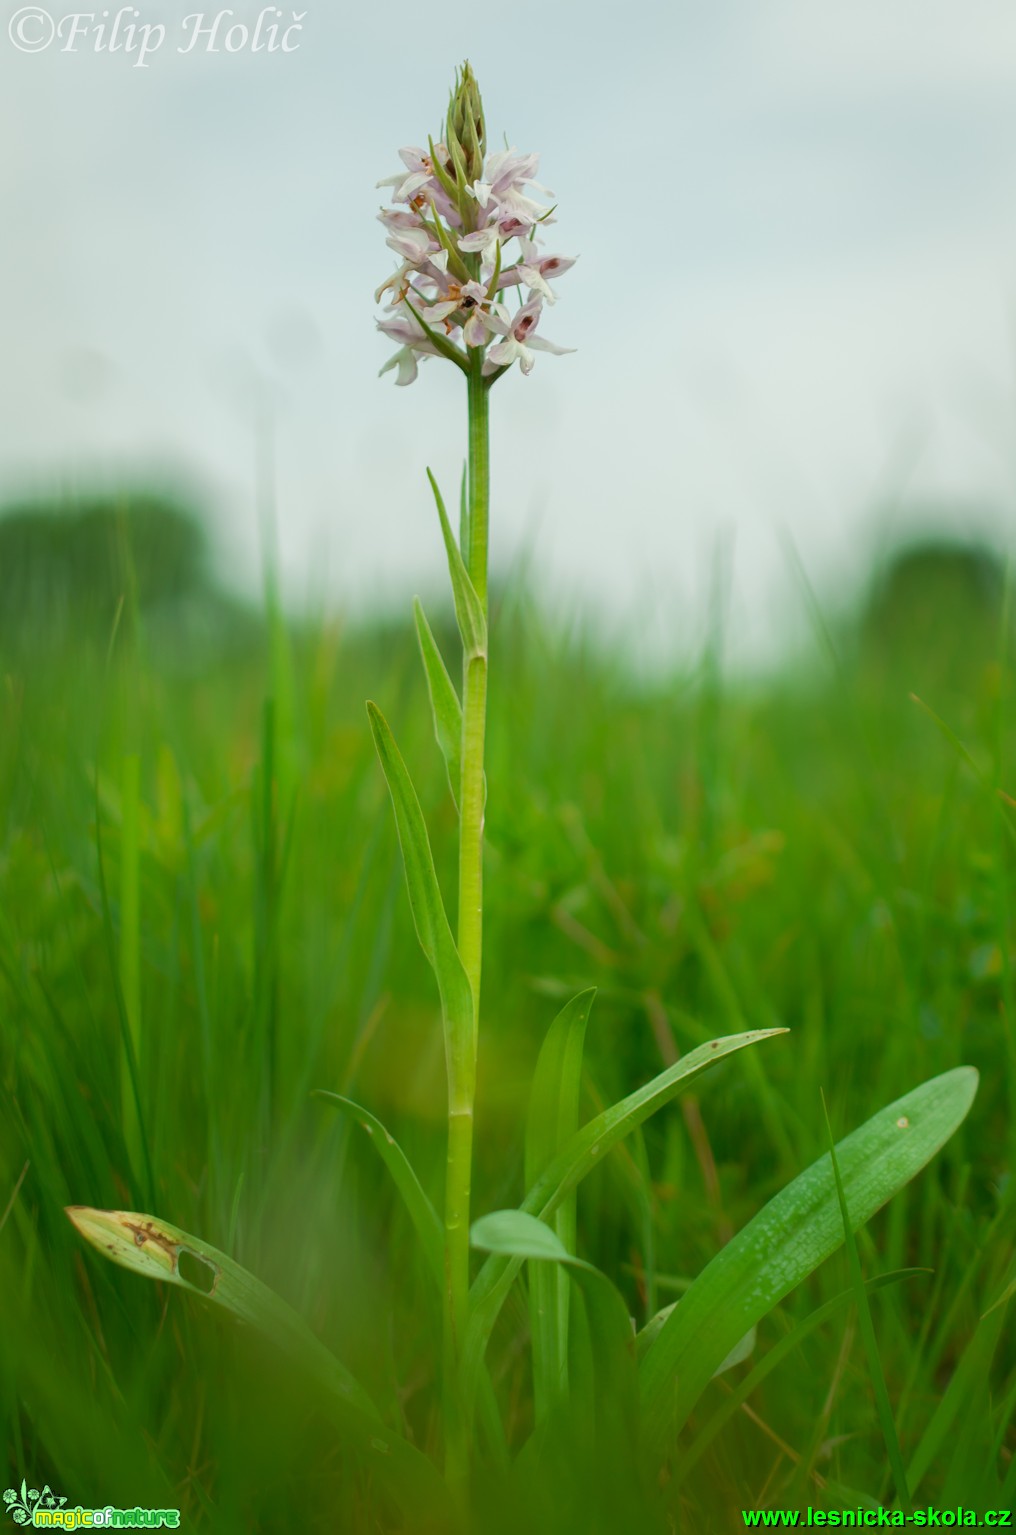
x=466, y=138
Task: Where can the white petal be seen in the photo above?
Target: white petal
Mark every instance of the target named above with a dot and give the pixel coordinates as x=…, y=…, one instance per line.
x=438, y=312
x=537, y=283
x=503, y=352
x=479, y=240
x=405, y=361
x=498, y=322
x=474, y=332
x=539, y=345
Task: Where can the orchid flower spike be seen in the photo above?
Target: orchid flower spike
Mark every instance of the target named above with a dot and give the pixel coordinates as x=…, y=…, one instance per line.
x=464, y=227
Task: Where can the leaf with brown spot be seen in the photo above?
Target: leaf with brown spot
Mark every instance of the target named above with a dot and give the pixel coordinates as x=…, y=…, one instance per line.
x=153, y=1248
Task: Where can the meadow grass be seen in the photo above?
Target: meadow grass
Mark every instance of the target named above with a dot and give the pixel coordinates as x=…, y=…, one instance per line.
x=203, y=920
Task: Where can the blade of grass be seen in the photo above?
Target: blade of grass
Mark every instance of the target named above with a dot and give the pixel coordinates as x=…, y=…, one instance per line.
x=429, y=913
x=130, y=944
x=882, y=1403
x=974, y=1366
x=553, y=1120
x=144, y=1173
x=775, y=1357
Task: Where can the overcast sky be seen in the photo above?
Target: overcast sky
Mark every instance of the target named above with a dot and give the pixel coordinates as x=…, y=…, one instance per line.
x=794, y=303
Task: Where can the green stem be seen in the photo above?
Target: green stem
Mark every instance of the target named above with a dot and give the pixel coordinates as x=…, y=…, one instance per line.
x=470, y=943
x=474, y=718
x=479, y=476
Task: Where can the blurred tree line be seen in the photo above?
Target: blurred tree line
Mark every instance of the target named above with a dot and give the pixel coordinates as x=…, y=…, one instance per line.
x=72, y=571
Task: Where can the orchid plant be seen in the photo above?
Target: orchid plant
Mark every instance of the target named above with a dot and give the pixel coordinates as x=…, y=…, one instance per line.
x=470, y=288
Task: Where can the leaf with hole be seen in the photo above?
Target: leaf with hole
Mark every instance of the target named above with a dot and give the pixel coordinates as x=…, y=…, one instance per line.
x=157, y=1250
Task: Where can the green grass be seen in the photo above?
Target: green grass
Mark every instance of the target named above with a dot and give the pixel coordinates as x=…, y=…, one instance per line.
x=192, y=945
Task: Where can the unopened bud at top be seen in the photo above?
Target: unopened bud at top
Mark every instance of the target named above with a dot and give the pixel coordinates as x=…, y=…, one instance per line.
x=466, y=136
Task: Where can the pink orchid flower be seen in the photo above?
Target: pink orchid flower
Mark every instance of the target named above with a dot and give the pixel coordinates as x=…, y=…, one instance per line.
x=519, y=341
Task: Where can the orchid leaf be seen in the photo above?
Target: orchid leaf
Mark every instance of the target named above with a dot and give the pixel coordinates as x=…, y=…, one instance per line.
x=464, y=519
x=515, y=1235
x=468, y=607
x=428, y=1229
x=584, y=1151
x=444, y=701
x=791, y=1236
x=418, y=1207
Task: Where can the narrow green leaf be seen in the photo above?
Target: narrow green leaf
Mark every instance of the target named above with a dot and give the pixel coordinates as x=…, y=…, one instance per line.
x=882, y=1403
x=771, y=1360
x=1006, y=1295
x=553, y=1120
x=428, y=909
x=974, y=1366
x=430, y=1231
x=468, y=607
x=157, y=1250
x=418, y=1207
x=456, y=266
x=448, y=185
x=971, y=762
x=584, y=1151
x=444, y=700
x=791, y=1236
x=554, y=1099
x=587, y=1148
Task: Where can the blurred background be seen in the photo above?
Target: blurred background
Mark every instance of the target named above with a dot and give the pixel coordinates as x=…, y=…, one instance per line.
x=792, y=312
x=769, y=496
